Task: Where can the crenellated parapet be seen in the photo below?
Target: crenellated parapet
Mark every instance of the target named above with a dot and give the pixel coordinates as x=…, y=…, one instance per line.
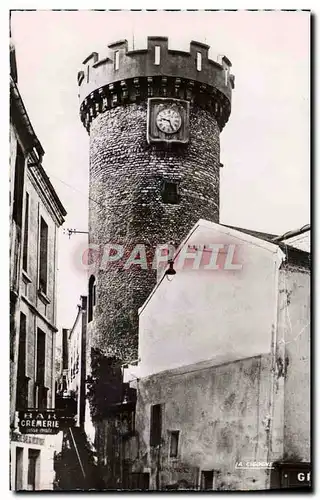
x=125, y=77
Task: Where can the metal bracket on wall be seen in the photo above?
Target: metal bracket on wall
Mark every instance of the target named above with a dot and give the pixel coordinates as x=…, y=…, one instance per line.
x=69, y=232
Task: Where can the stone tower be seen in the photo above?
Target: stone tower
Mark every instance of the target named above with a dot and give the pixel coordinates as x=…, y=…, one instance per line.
x=154, y=117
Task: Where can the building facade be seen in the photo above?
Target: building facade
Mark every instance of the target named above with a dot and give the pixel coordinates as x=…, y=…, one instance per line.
x=71, y=379
x=36, y=213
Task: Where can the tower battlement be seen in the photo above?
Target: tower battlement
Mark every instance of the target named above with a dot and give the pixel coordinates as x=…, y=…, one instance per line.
x=130, y=76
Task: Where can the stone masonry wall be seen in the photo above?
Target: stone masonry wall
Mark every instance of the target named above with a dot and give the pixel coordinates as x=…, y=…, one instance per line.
x=221, y=413
x=125, y=183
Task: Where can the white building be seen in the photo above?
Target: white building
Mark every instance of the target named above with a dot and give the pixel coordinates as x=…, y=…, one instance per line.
x=224, y=372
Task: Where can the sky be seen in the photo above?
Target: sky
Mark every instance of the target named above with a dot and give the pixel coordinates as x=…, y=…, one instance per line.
x=265, y=182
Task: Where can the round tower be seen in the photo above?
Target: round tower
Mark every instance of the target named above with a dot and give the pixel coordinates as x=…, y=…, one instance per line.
x=154, y=117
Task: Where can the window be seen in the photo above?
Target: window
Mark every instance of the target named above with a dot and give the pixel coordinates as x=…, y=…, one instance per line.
x=25, y=238
x=157, y=55
x=207, y=480
x=22, y=345
x=19, y=469
x=140, y=481
x=41, y=390
x=43, y=256
x=33, y=460
x=199, y=61
x=65, y=348
x=92, y=297
x=41, y=354
x=116, y=60
x=174, y=443
x=155, y=425
x=170, y=192
x=22, y=382
x=18, y=187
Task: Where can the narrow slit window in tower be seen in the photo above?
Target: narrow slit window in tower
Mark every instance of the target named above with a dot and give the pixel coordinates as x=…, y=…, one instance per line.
x=199, y=61
x=157, y=55
x=92, y=298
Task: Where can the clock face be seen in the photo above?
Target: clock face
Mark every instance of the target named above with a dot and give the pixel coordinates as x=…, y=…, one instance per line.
x=168, y=120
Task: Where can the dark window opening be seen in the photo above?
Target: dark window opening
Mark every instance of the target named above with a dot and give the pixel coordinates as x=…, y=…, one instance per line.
x=41, y=353
x=170, y=192
x=33, y=457
x=22, y=345
x=65, y=348
x=155, y=425
x=199, y=61
x=140, y=481
x=174, y=443
x=19, y=468
x=116, y=60
x=207, y=480
x=43, y=271
x=18, y=187
x=42, y=391
x=25, y=237
x=92, y=297
x=291, y=475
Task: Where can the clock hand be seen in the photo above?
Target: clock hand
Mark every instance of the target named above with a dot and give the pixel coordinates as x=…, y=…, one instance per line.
x=168, y=120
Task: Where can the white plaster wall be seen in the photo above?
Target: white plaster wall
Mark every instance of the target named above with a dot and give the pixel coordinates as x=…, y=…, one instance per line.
x=219, y=314
x=295, y=332
x=45, y=468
